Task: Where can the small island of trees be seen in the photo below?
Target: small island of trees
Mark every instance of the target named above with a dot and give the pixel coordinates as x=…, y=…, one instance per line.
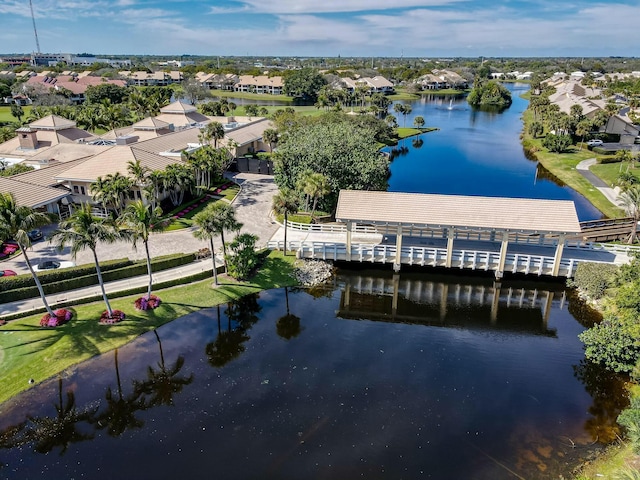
x=489, y=94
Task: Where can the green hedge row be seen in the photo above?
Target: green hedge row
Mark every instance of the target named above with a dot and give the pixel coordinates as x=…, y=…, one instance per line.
x=123, y=293
x=602, y=151
x=610, y=159
x=132, y=270
x=54, y=276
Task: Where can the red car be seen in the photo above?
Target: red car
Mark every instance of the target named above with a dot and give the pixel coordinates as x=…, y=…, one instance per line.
x=7, y=273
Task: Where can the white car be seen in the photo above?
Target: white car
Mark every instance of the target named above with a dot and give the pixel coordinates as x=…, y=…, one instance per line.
x=46, y=265
x=595, y=143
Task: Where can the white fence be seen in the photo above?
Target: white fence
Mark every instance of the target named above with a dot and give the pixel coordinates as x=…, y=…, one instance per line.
x=430, y=256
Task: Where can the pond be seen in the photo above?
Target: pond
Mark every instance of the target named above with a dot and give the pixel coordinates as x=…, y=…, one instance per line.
x=374, y=376
x=474, y=152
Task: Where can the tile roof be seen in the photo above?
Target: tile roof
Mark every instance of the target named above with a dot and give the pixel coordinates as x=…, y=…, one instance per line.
x=30, y=195
x=52, y=122
x=515, y=214
x=178, y=107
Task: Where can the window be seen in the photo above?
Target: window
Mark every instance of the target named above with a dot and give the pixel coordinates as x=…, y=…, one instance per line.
x=75, y=189
x=83, y=191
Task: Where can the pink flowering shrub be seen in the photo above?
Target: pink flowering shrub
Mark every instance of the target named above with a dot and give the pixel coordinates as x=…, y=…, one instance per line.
x=60, y=317
x=144, y=303
x=106, y=319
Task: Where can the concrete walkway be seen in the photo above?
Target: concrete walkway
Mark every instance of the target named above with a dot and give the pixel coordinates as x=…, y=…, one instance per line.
x=611, y=193
x=253, y=208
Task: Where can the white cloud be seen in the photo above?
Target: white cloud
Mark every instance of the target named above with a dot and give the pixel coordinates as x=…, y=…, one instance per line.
x=327, y=6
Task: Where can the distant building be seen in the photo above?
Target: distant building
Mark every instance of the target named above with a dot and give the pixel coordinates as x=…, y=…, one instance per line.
x=259, y=84
x=155, y=79
x=75, y=83
x=52, y=59
x=376, y=84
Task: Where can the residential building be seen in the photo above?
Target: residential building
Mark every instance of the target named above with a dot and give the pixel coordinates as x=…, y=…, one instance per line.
x=373, y=85
x=259, y=84
x=73, y=83
x=155, y=79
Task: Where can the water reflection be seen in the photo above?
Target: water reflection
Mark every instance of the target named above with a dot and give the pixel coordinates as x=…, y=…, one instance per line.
x=163, y=382
x=415, y=300
x=288, y=326
x=391, y=376
x=120, y=413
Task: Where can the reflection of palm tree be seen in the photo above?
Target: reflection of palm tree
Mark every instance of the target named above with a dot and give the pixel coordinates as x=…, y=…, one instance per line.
x=162, y=384
x=61, y=431
x=227, y=346
x=288, y=326
x=120, y=413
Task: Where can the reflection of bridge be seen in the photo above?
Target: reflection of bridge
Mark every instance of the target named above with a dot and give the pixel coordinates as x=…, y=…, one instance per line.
x=502, y=235
x=417, y=301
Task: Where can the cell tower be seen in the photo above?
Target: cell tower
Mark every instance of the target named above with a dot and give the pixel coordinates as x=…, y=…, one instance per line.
x=33, y=19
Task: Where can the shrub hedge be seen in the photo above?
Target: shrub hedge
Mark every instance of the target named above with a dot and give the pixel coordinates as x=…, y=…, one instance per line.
x=86, y=280
x=53, y=276
x=609, y=159
x=594, y=278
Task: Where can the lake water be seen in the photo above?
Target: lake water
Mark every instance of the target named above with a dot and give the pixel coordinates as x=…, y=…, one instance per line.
x=475, y=153
x=375, y=376
x=409, y=377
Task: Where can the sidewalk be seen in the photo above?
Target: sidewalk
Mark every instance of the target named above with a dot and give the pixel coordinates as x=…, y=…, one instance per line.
x=610, y=193
x=31, y=304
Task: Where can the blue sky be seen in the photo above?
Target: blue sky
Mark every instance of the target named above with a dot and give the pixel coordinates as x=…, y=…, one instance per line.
x=413, y=28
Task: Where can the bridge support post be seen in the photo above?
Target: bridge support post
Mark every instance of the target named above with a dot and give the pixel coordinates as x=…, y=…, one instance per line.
x=398, y=259
x=503, y=255
x=394, y=302
x=495, y=302
x=450, y=237
x=349, y=229
x=558, y=257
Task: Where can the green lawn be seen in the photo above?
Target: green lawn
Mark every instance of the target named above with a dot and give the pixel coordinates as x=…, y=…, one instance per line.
x=563, y=166
x=609, y=172
x=5, y=114
x=28, y=351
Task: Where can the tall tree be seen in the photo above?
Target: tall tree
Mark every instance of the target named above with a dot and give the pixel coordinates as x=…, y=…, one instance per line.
x=17, y=112
x=630, y=199
x=213, y=131
x=84, y=231
x=285, y=202
x=304, y=83
x=139, y=220
x=223, y=217
x=206, y=230
x=270, y=135
x=15, y=223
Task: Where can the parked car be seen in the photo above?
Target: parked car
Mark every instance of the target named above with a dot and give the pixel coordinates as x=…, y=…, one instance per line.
x=7, y=273
x=52, y=265
x=595, y=143
x=35, y=235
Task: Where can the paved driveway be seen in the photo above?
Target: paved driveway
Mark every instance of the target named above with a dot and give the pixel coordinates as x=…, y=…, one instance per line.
x=253, y=207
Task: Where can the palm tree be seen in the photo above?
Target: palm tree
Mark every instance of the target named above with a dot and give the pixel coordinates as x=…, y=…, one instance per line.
x=177, y=179
x=284, y=203
x=317, y=187
x=418, y=122
x=81, y=231
x=630, y=199
x=270, y=135
x=15, y=222
x=140, y=220
x=138, y=173
x=213, y=131
x=223, y=217
x=207, y=228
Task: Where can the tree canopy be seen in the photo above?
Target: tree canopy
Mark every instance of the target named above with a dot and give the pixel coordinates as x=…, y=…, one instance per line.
x=304, y=83
x=489, y=93
x=344, y=152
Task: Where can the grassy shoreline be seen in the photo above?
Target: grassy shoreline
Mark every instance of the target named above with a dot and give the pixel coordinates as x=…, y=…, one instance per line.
x=563, y=166
x=30, y=352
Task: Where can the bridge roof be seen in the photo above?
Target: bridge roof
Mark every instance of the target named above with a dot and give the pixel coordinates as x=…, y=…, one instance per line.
x=492, y=213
